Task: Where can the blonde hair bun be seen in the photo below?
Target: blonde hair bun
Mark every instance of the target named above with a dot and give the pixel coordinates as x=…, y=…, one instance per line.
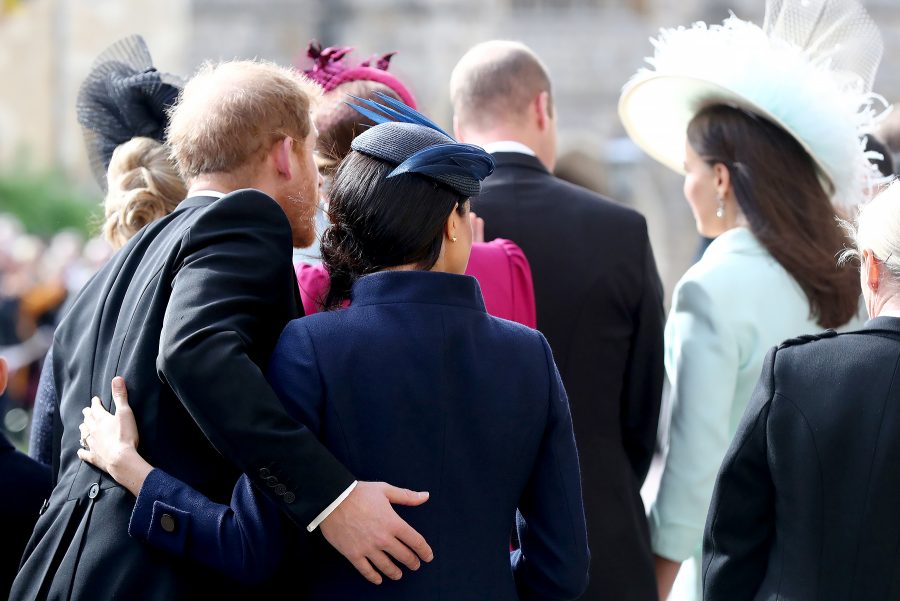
x=143, y=187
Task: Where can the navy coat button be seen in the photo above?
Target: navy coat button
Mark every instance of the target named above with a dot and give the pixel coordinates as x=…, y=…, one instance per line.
x=289, y=497
x=167, y=522
x=94, y=491
x=280, y=489
x=264, y=473
x=271, y=481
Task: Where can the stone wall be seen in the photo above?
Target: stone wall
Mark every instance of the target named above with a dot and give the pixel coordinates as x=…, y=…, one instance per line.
x=590, y=46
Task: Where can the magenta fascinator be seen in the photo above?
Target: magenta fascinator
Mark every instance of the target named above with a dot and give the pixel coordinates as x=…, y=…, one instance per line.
x=330, y=69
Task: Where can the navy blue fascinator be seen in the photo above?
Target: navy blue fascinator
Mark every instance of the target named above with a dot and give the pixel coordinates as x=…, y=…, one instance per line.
x=404, y=137
x=123, y=97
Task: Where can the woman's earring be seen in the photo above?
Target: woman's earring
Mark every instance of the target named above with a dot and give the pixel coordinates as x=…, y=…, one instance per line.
x=720, y=211
x=453, y=239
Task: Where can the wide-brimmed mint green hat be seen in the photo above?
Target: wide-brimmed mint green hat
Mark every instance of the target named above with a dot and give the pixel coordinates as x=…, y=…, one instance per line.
x=809, y=69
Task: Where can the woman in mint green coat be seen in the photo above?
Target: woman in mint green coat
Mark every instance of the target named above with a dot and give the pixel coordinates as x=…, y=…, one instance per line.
x=768, y=138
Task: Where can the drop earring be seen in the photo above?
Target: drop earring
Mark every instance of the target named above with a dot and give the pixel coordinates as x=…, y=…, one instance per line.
x=720, y=211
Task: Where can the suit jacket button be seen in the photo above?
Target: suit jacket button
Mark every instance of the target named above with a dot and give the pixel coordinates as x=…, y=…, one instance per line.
x=271, y=481
x=94, y=491
x=280, y=489
x=167, y=522
x=264, y=473
x=289, y=497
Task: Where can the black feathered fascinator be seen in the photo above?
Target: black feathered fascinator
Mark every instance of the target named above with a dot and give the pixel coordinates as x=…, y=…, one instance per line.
x=123, y=97
x=404, y=137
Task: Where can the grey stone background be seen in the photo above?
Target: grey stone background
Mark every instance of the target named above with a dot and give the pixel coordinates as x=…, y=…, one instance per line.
x=590, y=46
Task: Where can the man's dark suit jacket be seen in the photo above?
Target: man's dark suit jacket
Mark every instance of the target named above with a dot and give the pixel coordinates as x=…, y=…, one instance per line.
x=806, y=503
x=599, y=303
x=188, y=312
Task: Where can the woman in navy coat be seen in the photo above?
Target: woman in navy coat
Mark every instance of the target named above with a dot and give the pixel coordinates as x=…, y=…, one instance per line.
x=414, y=383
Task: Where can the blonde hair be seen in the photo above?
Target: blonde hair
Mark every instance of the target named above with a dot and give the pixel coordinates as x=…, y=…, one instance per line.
x=143, y=186
x=230, y=113
x=878, y=228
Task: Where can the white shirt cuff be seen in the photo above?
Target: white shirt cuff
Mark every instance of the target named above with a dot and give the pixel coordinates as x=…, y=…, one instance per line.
x=327, y=511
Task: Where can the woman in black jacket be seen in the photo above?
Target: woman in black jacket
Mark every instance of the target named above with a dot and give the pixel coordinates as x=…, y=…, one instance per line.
x=806, y=503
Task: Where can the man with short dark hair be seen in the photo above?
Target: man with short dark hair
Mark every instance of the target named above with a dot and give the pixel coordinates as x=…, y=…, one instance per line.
x=188, y=313
x=598, y=296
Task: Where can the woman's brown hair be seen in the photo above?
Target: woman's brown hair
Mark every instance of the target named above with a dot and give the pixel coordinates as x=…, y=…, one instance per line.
x=338, y=124
x=777, y=187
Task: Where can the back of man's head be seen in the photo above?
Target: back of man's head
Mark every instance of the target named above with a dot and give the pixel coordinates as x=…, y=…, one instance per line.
x=495, y=83
x=230, y=114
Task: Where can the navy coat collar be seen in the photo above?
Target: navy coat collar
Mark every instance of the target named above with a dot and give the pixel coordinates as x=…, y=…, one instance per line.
x=425, y=287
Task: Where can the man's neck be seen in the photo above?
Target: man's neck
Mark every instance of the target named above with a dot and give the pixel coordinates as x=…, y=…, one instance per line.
x=487, y=138
x=222, y=183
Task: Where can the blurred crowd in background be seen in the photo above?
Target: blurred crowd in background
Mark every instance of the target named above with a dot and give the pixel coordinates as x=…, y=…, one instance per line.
x=37, y=276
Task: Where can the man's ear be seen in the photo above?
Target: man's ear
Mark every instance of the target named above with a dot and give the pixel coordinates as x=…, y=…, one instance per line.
x=542, y=110
x=4, y=375
x=282, y=156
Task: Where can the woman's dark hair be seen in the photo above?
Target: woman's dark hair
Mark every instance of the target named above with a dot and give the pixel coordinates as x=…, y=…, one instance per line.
x=777, y=188
x=378, y=223
x=338, y=124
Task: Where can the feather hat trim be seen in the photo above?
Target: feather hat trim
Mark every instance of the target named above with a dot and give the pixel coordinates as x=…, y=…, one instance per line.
x=404, y=137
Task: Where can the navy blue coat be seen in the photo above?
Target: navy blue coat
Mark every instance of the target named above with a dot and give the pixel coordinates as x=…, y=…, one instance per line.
x=416, y=385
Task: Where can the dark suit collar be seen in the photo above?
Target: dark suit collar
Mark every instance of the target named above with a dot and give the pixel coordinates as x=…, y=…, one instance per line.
x=196, y=201
x=518, y=159
x=888, y=324
x=426, y=287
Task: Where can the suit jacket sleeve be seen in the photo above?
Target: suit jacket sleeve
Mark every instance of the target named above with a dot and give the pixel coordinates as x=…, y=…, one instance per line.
x=553, y=560
x=233, y=293
x=244, y=540
x=739, y=528
x=702, y=361
x=642, y=389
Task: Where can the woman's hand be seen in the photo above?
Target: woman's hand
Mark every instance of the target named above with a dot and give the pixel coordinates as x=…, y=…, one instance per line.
x=109, y=442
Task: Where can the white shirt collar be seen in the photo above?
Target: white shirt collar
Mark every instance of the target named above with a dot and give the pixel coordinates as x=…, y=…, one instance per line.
x=212, y=193
x=508, y=146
